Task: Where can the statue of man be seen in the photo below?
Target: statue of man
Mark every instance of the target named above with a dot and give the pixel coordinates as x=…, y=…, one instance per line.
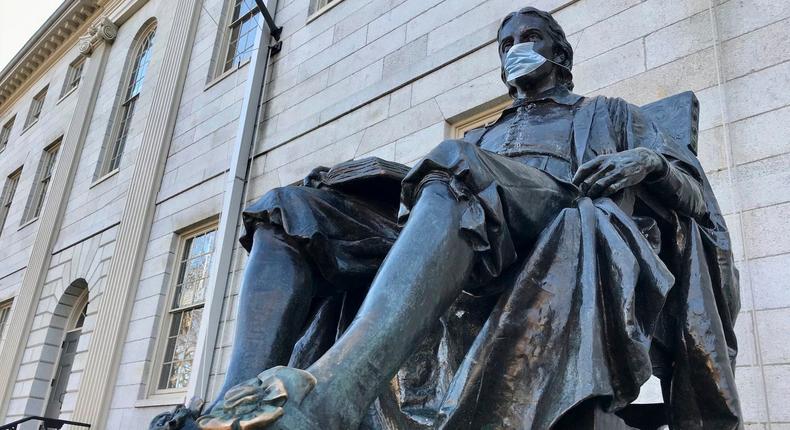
x=587, y=242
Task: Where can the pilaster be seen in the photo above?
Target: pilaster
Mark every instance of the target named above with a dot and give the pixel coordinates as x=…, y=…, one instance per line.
x=49, y=222
x=101, y=366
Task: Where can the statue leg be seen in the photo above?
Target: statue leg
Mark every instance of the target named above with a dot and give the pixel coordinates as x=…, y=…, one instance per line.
x=422, y=275
x=274, y=302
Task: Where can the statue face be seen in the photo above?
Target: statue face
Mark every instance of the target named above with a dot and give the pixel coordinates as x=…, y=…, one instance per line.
x=529, y=28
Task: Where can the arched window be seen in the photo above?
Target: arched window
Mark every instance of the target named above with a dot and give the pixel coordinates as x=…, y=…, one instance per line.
x=138, y=65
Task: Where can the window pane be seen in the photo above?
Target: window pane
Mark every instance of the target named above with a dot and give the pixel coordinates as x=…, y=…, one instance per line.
x=73, y=76
x=140, y=66
x=111, y=154
x=5, y=312
x=243, y=28
x=127, y=111
x=81, y=319
x=193, y=271
x=244, y=6
x=180, y=350
x=5, y=133
x=191, y=285
x=39, y=191
x=7, y=197
x=319, y=4
x=35, y=107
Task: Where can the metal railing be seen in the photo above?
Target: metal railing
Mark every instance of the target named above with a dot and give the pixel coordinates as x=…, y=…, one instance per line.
x=46, y=423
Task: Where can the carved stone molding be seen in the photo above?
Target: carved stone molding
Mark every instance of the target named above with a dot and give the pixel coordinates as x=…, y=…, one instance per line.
x=103, y=31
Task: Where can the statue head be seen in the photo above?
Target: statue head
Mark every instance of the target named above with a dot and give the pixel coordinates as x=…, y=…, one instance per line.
x=533, y=25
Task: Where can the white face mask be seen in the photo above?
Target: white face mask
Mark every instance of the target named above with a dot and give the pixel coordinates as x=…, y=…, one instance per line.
x=522, y=59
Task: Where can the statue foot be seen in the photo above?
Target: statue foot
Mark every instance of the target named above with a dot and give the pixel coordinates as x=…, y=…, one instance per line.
x=181, y=418
x=269, y=401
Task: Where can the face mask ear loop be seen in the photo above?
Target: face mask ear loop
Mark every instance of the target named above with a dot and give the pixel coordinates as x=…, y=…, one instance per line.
x=561, y=65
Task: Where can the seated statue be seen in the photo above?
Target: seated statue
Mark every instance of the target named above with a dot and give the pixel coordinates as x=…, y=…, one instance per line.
x=541, y=266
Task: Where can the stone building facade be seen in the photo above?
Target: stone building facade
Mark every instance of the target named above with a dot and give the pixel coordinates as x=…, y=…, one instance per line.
x=134, y=130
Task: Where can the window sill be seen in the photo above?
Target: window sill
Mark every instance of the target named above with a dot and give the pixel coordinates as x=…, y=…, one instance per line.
x=104, y=177
x=27, y=127
x=170, y=399
x=221, y=77
x=323, y=10
x=27, y=223
x=66, y=94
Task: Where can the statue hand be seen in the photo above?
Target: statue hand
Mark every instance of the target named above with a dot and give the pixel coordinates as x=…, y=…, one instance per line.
x=314, y=178
x=607, y=174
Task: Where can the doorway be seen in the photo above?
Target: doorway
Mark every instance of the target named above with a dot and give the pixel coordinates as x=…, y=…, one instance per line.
x=68, y=351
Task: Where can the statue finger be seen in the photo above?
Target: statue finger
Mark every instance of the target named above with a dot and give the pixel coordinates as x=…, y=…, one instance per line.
x=587, y=169
x=603, y=171
x=603, y=183
x=615, y=187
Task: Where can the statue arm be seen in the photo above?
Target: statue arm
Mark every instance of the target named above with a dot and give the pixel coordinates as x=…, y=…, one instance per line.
x=675, y=186
x=678, y=183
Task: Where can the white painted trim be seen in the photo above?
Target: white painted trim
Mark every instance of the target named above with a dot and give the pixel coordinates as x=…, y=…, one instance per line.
x=322, y=10
x=105, y=177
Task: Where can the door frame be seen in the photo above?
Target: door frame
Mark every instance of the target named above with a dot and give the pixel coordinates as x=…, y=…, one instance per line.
x=71, y=327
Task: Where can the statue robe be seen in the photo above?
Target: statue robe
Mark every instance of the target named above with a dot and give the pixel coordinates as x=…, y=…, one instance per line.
x=612, y=290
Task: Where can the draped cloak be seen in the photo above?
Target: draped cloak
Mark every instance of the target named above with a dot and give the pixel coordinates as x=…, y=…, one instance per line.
x=613, y=289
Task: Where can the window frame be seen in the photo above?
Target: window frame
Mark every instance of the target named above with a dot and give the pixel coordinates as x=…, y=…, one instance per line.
x=319, y=7
x=73, y=76
x=7, y=196
x=5, y=132
x=37, y=105
x=5, y=316
x=111, y=154
x=480, y=119
x=170, y=311
x=79, y=313
x=40, y=188
x=228, y=54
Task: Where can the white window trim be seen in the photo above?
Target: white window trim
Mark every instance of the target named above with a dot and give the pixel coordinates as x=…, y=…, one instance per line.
x=217, y=72
x=477, y=120
x=16, y=176
x=29, y=121
x=318, y=11
x=156, y=396
x=9, y=305
x=108, y=146
x=7, y=125
x=50, y=153
x=66, y=89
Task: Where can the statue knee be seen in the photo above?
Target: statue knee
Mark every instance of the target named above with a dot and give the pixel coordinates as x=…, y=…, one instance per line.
x=288, y=193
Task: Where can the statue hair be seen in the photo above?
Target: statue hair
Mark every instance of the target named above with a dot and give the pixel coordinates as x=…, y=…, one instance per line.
x=557, y=34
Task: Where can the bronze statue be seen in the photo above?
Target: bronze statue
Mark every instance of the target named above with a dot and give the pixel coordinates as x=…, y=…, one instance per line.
x=541, y=267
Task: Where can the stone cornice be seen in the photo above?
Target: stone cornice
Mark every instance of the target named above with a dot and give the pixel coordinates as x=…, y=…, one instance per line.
x=49, y=40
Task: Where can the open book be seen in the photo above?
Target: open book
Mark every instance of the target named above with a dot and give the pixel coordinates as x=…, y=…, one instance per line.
x=364, y=169
x=371, y=178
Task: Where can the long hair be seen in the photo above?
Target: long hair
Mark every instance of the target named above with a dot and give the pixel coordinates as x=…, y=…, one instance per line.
x=557, y=34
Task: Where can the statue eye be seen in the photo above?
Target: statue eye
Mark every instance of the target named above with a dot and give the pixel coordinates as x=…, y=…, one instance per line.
x=533, y=36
